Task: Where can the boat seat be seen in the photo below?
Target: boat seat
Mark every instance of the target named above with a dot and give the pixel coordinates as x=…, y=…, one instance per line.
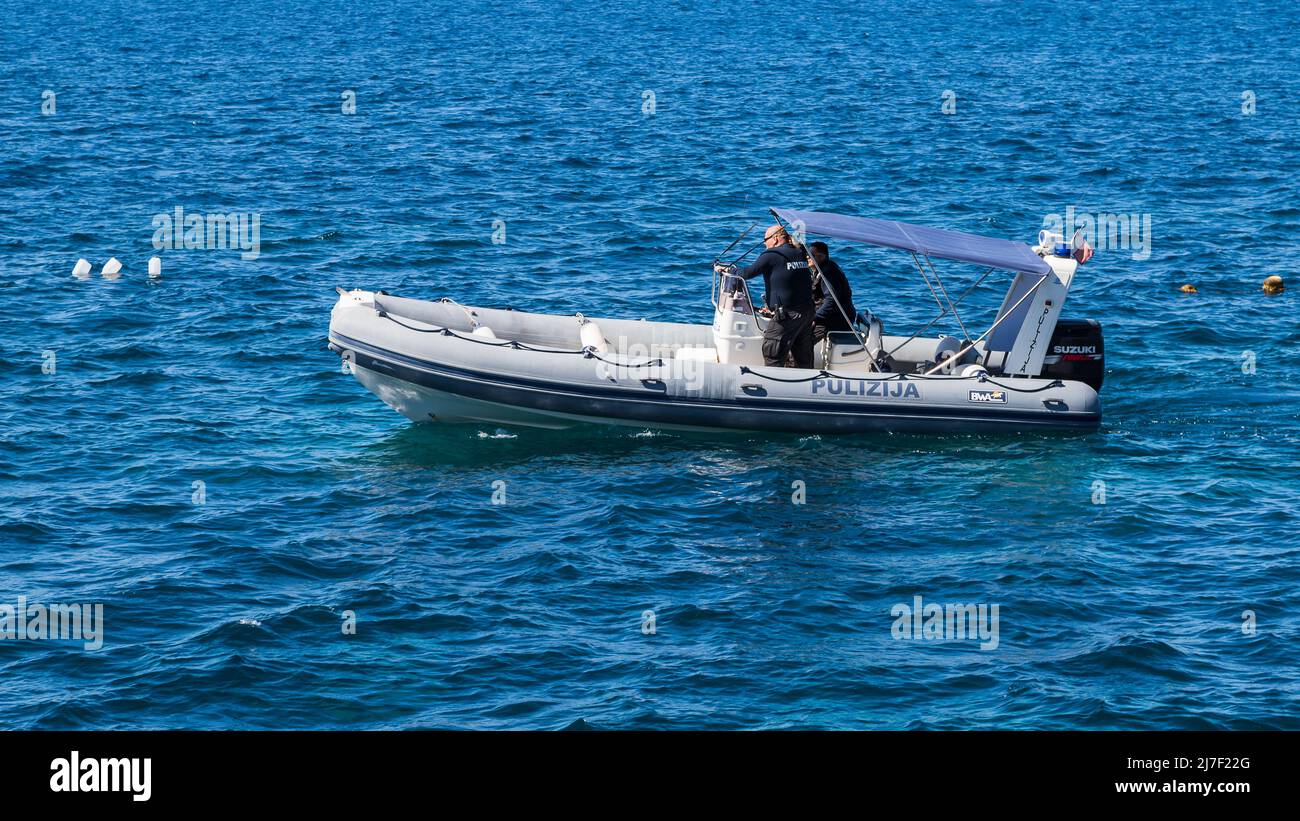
x=845, y=347
x=945, y=349
x=843, y=338
x=875, y=336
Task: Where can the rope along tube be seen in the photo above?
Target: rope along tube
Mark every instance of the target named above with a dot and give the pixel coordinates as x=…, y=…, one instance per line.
x=591, y=353
x=896, y=377
x=1055, y=383
x=588, y=352
x=820, y=375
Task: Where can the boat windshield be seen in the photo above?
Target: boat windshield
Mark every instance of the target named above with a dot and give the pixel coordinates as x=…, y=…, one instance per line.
x=734, y=295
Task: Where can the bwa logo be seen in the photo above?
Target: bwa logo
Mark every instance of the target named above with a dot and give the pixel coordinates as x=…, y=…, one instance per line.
x=997, y=397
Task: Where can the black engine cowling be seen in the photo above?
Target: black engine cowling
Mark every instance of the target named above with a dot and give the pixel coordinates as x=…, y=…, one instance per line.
x=1077, y=352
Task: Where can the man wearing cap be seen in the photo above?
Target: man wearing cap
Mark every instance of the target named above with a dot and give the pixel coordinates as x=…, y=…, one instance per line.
x=788, y=283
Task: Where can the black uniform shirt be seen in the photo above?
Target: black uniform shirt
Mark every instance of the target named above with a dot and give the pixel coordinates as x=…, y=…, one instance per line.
x=827, y=313
x=786, y=277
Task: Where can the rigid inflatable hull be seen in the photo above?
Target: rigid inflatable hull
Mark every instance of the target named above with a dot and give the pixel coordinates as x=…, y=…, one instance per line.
x=430, y=375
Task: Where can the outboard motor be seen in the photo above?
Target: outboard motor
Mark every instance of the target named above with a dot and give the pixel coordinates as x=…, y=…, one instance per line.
x=1076, y=352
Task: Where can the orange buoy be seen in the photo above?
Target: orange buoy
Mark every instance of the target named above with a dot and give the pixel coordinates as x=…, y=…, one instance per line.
x=1274, y=285
x=1188, y=289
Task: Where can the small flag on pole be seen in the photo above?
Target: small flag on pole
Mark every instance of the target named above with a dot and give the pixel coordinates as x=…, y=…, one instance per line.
x=1082, y=250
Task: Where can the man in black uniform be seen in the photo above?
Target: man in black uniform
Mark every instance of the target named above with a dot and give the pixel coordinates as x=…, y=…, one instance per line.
x=829, y=316
x=789, y=296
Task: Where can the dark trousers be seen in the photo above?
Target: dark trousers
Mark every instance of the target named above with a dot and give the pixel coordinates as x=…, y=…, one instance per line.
x=789, y=333
x=833, y=322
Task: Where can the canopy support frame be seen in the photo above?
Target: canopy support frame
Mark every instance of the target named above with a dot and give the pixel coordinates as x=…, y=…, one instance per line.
x=962, y=352
x=965, y=333
x=944, y=312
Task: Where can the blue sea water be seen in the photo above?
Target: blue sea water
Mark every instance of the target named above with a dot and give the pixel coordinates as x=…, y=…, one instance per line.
x=623, y=145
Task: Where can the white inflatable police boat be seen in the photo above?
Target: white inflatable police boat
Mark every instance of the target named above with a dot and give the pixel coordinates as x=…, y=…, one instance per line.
x=446, y=362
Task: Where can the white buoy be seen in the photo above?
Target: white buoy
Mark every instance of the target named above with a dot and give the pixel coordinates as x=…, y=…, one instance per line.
x=81, y=270
x=483, y=332
x=155, y=267
x=111, y=269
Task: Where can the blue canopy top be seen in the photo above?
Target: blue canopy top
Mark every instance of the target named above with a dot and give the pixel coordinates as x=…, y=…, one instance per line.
x=935, y=242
